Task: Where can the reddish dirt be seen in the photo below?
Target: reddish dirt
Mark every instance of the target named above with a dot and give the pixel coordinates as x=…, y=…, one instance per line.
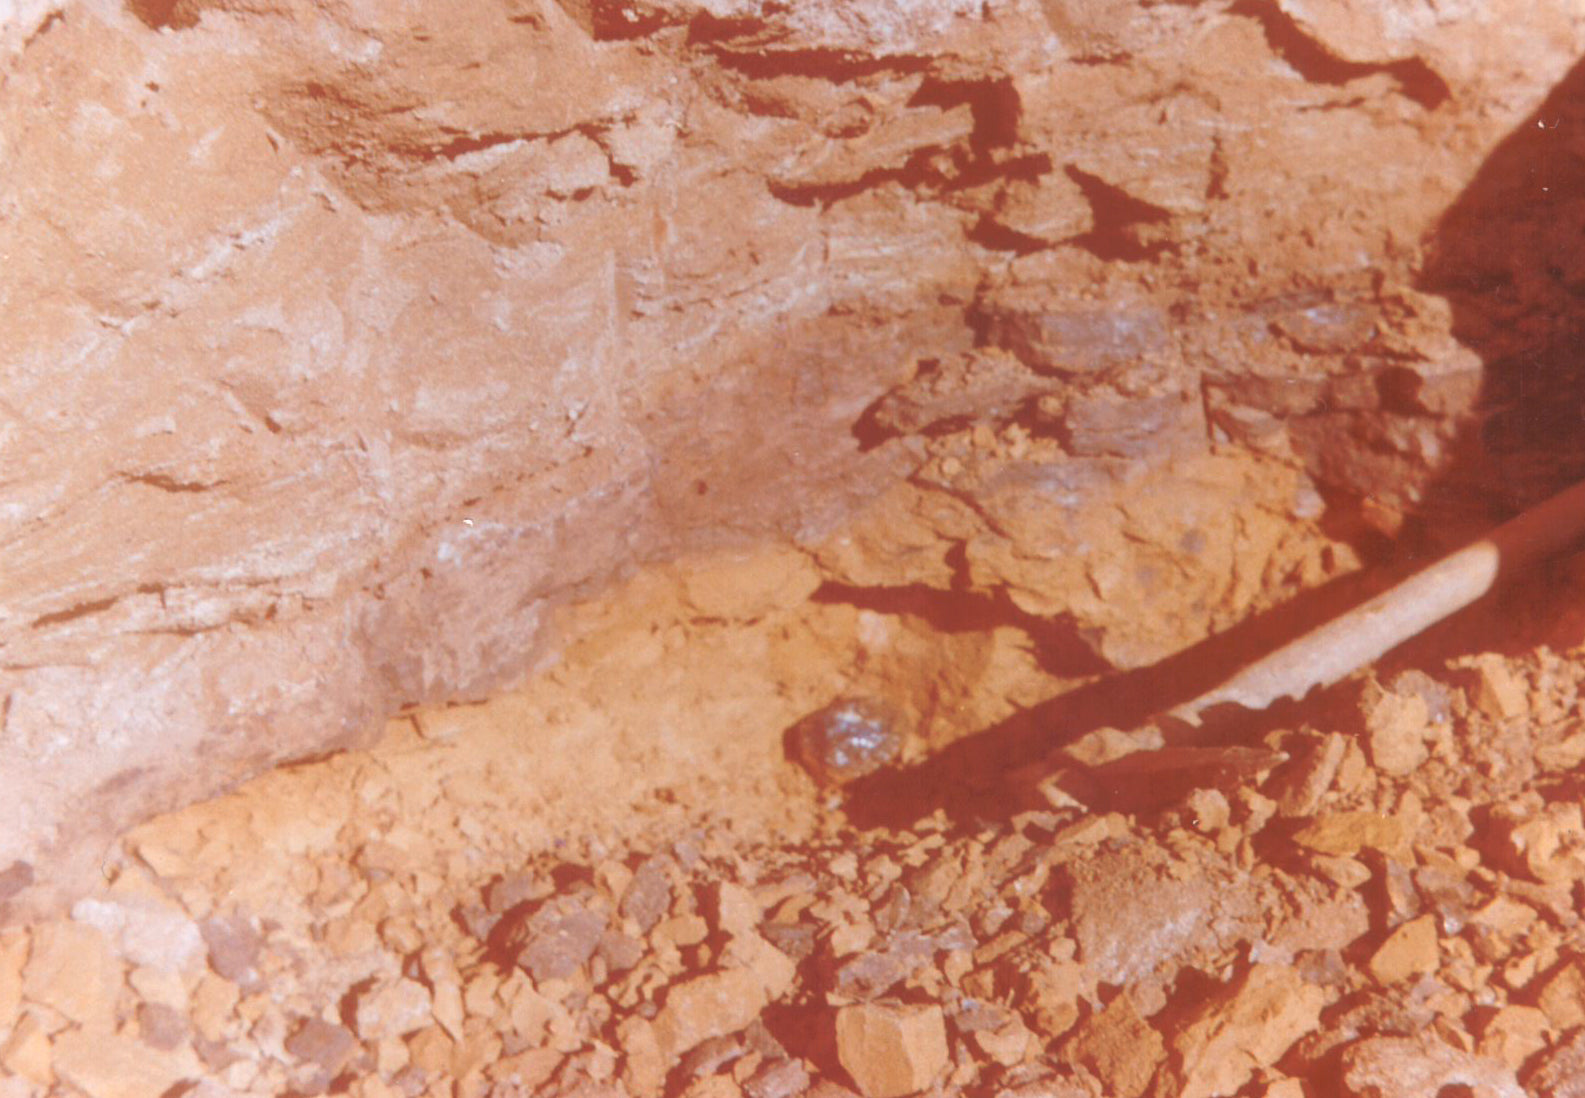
x=1008, y=371
x=619, y=880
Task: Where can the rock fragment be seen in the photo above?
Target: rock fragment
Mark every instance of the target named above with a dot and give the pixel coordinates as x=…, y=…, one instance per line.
x=162, y=1027
x=558, y=938
x=1135, y=908
x=1244, y=1029
x=1547, y=845
x=1395, y=726
x=1562, y=996
x=108, y=1065
x=645, y=1063
x=709, y=1056
x=72, y=969
x=1119, y=1047
x=509, y=891
x=1514, y=1034
x=1345, y=834
x=393, y=1008
x=1208, y=810
x=1303, y=781
x=890, y=1050
x=144, y=930
x=1411, y=950
x=1561, y=1072
x=213, y=1004
x=1564, y=755
x=648, y=895
x=14, y=944
x=871, y=974
x=28, y=1053
x=234, y=946
x=707, y=1006
x=322, y=1043
x=777, y=1079
x=1409, y=1067
x=1498, y=692
x=847, y=739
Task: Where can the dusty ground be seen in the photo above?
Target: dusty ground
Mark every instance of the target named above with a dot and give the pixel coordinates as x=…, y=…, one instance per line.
x=617, y=881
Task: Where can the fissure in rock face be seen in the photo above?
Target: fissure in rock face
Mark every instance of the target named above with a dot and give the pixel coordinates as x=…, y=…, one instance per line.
x=345, y=344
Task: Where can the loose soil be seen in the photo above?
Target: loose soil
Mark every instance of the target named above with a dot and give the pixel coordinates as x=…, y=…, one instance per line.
x=620, y=880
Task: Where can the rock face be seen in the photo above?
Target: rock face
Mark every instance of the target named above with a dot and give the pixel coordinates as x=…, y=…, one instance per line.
x=345, y=343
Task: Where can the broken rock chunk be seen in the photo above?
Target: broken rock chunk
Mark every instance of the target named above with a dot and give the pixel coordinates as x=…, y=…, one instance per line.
x=1300, y=784
x=777, y=1079
x=162, y=1027
x=1516, y=1033
x=1562, y=996
x=1498, y=691
x=72, y=969
x=1547, y=846
x=1135, y=908
x=144, y=931
x=1561, y=1072
x=233, y=948
x=871, y=974
x=1411, y=950
x=26, y=1053
x=1410, y=1067
x=322, y=1043
x=1119, y=1047
x=707, y=1006
x=647, y=897
x=891, y=1050
x=847, y=739
x=1246, y=1028
x=557, y=939
x=108, y=1065
x=393, y=1008
x=1396, y=726
x=1345, y=834
x=644, y=1068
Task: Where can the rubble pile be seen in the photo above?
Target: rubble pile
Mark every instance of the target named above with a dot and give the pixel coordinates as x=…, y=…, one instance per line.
x=1380, y=900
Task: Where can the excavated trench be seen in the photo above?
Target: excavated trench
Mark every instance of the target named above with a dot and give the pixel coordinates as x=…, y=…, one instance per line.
x=641, y=550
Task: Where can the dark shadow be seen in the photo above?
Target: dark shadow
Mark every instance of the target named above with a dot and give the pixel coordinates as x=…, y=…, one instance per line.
x=969, y=778
x=1119, y=219
x=1315, y=62
x=1509, y=255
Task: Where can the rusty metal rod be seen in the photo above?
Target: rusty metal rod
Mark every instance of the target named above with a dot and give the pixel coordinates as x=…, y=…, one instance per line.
x=1372, y=629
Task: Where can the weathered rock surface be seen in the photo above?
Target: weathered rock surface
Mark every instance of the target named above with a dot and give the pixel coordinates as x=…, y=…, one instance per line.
x=343, y=344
